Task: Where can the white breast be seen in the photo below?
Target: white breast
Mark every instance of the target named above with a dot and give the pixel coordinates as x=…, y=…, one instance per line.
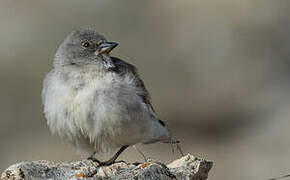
x=103, y=110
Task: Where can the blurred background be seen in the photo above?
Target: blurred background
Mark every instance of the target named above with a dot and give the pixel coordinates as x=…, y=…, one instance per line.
x=218, y=72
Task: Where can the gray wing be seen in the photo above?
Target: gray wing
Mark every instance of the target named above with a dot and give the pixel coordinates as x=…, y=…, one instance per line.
x=122, y=68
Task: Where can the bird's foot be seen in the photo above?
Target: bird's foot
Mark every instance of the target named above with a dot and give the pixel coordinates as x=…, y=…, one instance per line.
x=93, y=159
x=106, y=163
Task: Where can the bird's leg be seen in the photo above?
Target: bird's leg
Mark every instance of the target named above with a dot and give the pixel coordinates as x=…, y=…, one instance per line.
x=91, y=157
x=113, y=159
x=142, y=154
x=110, y=161
x=180, y=150
x=105, y=163
x=175, y=142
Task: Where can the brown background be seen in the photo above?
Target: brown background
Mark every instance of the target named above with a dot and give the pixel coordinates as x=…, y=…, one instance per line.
x=218, y=72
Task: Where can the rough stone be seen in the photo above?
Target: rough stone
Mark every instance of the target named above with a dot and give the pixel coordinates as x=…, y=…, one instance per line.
x=187, y=167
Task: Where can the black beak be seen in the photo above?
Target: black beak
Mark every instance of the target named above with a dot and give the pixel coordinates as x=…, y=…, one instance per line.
x=107, y=47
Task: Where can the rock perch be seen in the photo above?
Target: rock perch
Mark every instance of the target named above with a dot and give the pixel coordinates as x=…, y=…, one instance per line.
x=187, y=167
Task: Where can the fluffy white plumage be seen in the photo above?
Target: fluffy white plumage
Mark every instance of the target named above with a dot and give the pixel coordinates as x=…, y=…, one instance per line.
x=95, y=109
x=98, y=111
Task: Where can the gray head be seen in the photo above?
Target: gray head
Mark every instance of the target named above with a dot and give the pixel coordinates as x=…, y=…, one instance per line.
x=83, y=47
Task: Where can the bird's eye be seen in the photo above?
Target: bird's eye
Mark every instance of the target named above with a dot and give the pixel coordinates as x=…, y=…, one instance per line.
x=86, y=44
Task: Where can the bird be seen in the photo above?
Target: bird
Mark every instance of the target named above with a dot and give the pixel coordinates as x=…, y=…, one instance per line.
x=98, y=102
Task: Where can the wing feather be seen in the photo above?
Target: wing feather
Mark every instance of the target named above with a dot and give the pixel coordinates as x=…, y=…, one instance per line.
x=122, y=68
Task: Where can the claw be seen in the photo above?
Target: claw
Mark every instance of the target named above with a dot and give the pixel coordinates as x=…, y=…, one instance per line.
x=94, y=159
x=110, y=161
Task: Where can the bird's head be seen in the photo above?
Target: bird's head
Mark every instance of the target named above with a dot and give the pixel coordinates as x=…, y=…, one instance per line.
x=85, y=47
